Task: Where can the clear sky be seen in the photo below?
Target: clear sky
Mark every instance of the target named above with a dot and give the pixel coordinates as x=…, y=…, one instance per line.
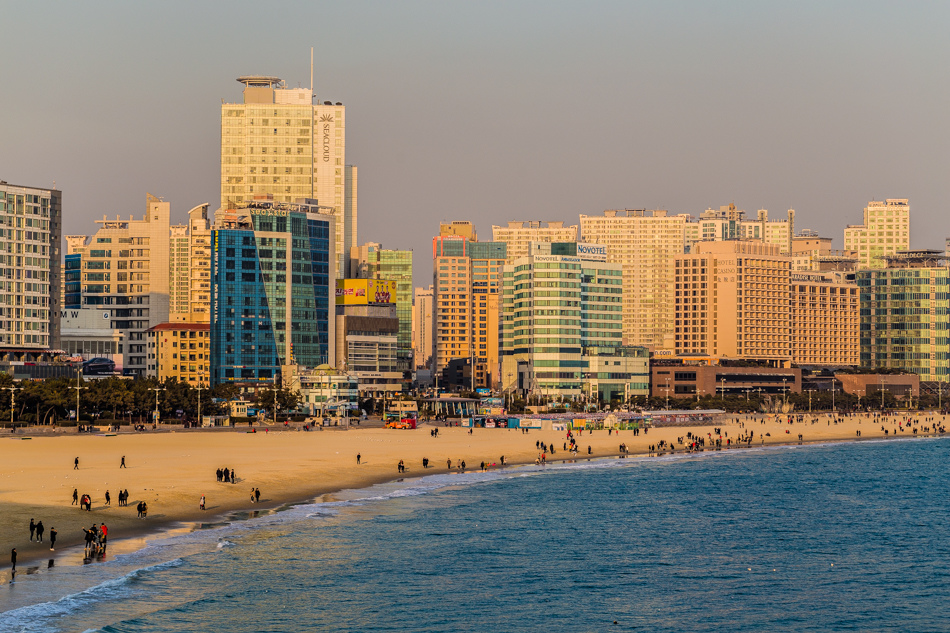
x=494, y=111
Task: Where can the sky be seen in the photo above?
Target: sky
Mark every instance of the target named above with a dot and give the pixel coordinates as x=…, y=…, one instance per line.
x=497, y=111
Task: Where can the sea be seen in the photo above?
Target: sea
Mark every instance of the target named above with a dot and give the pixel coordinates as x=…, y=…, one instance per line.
x=829, y=537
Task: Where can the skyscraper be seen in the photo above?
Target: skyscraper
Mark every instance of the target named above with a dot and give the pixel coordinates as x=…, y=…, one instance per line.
x=422, y=327
x=278, y=142
x=885, y=231
x=371, y=261
x=31, y=226
x=189, y=263
x=272, y=290
x=644, y=243
x=519, y=235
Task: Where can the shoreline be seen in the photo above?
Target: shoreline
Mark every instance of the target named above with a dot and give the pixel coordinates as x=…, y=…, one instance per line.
x=294, y=492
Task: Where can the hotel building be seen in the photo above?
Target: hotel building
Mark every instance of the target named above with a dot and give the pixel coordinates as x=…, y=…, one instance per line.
x=885, y=231
x=278, y=142
x=562, y=327
x=905, y=317
x=824, y=319
x=519, y=235
x=732, y=300
x=272, y=290
x=643, y=243
x=31, y=227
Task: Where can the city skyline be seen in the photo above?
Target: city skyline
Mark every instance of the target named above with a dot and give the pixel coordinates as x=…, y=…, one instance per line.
x=529, y=111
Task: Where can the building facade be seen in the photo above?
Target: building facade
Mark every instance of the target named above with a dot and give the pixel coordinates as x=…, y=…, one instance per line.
x=190, y=268
x=558, y=311
x=519, y=234
x=885, y=231
x=125, y=271
x=732, y=300
x=181, y=351
x=371, y=261
x=730, y=223
x=825, y=319
x=272, y=290
x=643, y=243
x=905, y=314
x=422, y=327
x=30, y=269
x=367, y=334
x=278, y=142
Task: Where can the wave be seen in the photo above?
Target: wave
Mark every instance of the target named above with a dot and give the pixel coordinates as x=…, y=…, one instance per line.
x=34, y=617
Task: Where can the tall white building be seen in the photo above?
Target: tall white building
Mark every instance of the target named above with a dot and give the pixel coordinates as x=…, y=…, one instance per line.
x=30, y=228
x=190, y=269
x=885, y=231
x=422, y=326
x=644, y=243
x=730, y=223
x=519, y=234
x=279, y=142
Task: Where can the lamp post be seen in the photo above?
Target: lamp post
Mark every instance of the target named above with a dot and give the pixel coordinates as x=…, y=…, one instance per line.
x=785, y=390
x=882, y=393
x=809, y=398
x=275, y=403
x=667, y=394
x=156, y=390
x=833, y=408
x=78, y=388
x=201, y=378
x=940, y=395
x=13, y=389
x=722, y=382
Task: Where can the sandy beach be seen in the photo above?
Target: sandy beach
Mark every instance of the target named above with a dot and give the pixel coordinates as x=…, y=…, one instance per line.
x=171, y=470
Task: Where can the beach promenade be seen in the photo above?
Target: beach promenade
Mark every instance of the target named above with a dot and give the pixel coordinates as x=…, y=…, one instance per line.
x=170, y=471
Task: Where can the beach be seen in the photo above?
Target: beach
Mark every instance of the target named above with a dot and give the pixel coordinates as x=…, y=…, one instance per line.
x=170, y=471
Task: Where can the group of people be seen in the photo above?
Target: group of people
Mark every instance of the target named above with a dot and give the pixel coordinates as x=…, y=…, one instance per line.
x=226, y=475
x=255, y=495
x=37, y=530
x=96, y=538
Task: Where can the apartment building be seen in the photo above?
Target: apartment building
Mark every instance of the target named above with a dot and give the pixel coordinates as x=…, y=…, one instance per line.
x=422, y=327
x=30, y=269
x=372, y=261
x=190, y=268
x=181, y=351
x=279, y=142
x=519, y=235
x=885, y=231
x=732, y=300
x=643, y=242
x=730, y=223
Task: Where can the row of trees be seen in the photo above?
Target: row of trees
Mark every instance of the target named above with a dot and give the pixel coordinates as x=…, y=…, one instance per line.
x=51, y=401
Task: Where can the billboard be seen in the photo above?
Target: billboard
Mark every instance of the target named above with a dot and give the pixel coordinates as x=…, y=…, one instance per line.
x=365, y=291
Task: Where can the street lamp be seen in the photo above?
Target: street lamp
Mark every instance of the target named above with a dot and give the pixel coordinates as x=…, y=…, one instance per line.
x=722, y=382
x=785, y=390
x=13, y=389
x=833, y=408
x=78, y=388
x=156, y=390
x=882, y=393
x=809, y=398
x=667, y=394
x=201, y=378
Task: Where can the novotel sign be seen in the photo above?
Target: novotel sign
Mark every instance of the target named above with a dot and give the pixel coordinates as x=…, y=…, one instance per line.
x=592, y=251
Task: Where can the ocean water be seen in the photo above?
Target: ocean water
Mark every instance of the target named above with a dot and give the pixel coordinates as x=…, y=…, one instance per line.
x=836, y=537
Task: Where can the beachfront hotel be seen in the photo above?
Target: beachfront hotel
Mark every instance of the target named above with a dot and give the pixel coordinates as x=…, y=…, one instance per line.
x=885, y=231
x=278, y=142
x=272, y=289
x=31, y=225
x=732, y=300
x=824, y=315
x=519, y=235
x=562, y=328
x=905, y=318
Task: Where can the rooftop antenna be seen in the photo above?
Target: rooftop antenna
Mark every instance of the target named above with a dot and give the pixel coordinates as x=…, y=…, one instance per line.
x=311, y=72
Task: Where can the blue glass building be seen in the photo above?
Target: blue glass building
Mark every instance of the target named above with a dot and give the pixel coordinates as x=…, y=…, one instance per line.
x=272, y=291
x=72, y=274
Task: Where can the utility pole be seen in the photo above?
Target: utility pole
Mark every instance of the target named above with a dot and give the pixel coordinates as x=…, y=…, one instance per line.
x=13, y=389
x=156, y=390
x=78, y=388
x=809, y=399
x=275, y=403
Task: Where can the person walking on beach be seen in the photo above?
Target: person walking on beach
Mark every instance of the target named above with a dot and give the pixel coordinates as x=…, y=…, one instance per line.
x=103, y=534
x=32, y=529
x=52, y=538
x=357, y=459
x=108, y=499
x=122, y=464
x=227, y=475
x=201, y=503
x=233, y=477
x=39, y=531
x=13, y=558
x=257, y=495
x=76, y=464
x=252, y=495
x=75, y=496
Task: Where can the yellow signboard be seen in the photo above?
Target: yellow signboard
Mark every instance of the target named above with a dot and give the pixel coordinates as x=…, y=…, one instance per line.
x=365, y=291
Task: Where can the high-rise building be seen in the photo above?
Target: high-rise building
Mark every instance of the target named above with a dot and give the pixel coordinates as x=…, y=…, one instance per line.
x=459, y=228
x=562, y=327
x=272, y=290
x=519, y=235
x=371, y=261
x=730, y=223
x=125, y=273
x=181, y=351
x=466, y=286
x=732, y=300
x=643, y=243
x=31, y=225
x=885, y=231
x=278, y=142
x=904, y=314
x=824, y=319
x=422, y=327
x=190, y=274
